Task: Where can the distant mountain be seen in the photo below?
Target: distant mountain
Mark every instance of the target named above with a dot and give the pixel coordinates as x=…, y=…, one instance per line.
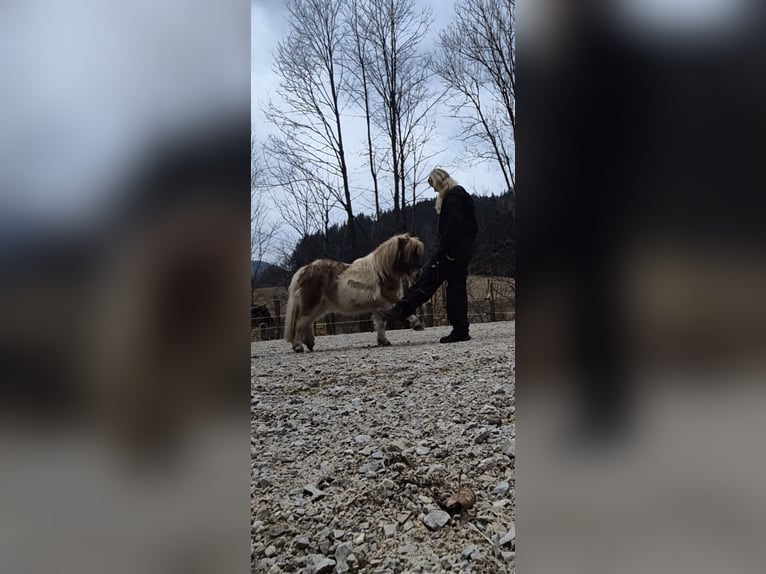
x=258, y=268
x=264, y=274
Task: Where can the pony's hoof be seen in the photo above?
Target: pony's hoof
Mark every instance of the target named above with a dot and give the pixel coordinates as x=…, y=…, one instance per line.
x=418, y=327
x=384, y=343
x=298, y=349
x=310, y=348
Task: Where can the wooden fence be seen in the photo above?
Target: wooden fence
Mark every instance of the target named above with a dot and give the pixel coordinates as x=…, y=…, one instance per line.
x=489, y=299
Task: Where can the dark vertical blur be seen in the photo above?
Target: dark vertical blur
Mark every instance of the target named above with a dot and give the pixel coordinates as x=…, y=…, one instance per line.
x=641, y=273
x=124, y=248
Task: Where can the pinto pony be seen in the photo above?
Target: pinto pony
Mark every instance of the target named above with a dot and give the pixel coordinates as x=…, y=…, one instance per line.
x=366, y=284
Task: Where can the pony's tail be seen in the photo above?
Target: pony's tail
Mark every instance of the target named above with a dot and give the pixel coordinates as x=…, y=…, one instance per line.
x=292, y=311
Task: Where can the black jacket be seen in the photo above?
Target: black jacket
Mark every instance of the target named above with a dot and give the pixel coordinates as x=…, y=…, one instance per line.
x=457, y=224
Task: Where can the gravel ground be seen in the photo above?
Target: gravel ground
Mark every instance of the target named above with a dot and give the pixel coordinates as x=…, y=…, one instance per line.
x=355, y=449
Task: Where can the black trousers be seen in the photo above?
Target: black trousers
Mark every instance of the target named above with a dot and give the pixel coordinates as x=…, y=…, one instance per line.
x=434, y=273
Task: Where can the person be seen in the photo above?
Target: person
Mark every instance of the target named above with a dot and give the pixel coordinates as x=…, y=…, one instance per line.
x=457, y=233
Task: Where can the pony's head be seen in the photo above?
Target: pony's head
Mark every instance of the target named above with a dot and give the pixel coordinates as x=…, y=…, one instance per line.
x=410, y=251
x=400, y=253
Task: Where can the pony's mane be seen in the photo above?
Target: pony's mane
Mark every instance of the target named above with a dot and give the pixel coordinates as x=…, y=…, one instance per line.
x=384, y=255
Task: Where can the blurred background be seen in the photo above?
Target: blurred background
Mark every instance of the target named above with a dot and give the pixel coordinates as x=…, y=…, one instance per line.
x=124, y=180
x=640, y=274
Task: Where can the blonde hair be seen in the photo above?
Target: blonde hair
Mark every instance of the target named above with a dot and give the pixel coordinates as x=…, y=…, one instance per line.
x=442, y=182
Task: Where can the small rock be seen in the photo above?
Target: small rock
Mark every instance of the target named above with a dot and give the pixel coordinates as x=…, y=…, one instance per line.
x=422, y=450
x=377, y=455
x=436, y=519
x=371, y=467
x=487, y=464
x=482, y=436
x=439, y=453
x=501, y=488
x=425, y=499
x=468, y=551
x=313, y=491
x=397, y=446
x=338, y=533
x=302, y=543
x=508, y=537
x=362, y=438
x=435, y=468
x=408, y=549
x=509, y=449
x=320, y=564
x=388, y=484
x=270, y=551
x=391, y=564
x=278, y=530
x=342, y=553
x=389, y=530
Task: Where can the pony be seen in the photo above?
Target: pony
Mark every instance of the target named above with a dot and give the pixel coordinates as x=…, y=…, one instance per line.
x=366, y=284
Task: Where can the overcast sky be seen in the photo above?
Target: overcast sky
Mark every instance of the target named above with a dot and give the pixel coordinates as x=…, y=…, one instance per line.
x=267, y=27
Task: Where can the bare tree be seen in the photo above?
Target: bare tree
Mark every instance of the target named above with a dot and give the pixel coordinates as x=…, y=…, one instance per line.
x=310, y=62
x=360, y=92
x=263, y=230
x=415, y=173
x=302, y=201
x=398, y=72
x=477, y=61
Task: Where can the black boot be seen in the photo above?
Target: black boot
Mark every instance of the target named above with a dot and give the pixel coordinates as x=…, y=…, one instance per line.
x=389, y=315
x=456, y=336
x=395, y=317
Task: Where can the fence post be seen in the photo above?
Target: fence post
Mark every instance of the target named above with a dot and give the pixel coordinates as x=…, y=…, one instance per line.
x=277, y=318
x=491, y=297
x=429, y=318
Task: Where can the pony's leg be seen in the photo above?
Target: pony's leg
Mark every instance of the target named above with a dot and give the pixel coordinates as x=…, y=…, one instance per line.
x=380, y=327
x=305, y=330
x=298, y=337
x=308, y=335
x=297, y=345
x=414, y=323
x=304, y=333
